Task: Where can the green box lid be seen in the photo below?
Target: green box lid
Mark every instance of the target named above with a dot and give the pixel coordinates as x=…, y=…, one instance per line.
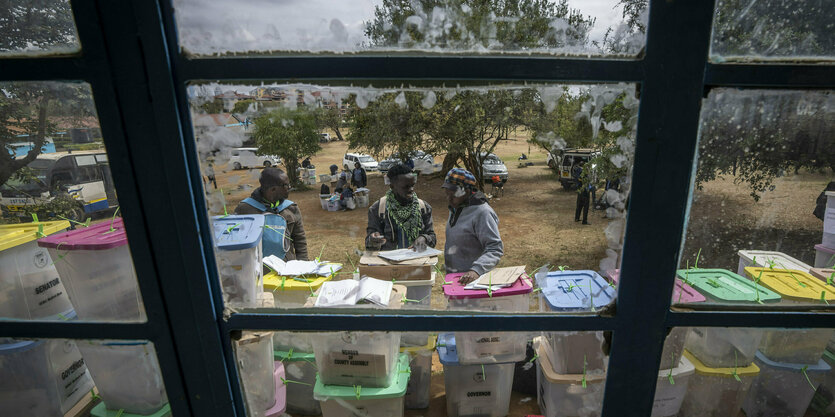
x=101, y=410
x=293, y=356
x=397, y=389
x=726, y=286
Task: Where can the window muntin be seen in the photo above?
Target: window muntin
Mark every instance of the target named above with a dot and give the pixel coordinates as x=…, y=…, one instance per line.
x=75, y=258
x=765, y=158
x=385, y=121
x=208, y=28
x=772, y=30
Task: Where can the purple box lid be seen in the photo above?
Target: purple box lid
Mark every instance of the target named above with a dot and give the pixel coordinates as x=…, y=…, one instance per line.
x=452, y=289
x=823, y=248
x=96, y=237
x=682, y=293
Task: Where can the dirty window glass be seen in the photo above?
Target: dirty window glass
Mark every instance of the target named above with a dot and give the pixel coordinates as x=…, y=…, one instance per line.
x=761, y=230
x=37, y=27
x=57, y=377
x=559, y=228
x=425, y=373
x=551, y=27
x=64, y=252
x=751, y=30
x=718, y=371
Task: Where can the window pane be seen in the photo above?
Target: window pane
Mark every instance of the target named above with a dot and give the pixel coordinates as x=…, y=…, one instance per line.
x=758, y=233
x=746, y=30
x=454, y=374
x=561, y=27
x=37, y=27
x=56, y=377
x=63, y=248
x=719, y=371
x=521, y=152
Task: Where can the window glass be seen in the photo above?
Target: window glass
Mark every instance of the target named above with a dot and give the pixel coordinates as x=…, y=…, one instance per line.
x=37, y=27
x=748, y=30
x=63, y=248
x=425, y=373
x=56, y=377
x=551, y=27
x=334, y=217
x=720, y=371
x=759, y=232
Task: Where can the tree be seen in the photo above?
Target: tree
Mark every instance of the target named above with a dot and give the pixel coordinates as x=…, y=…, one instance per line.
x=27, y=25
x=477, y=24
x=240, y=106
x=289, y=134
x=212, y=106
x=24, y=106
x=331, y=117
x=393, y=124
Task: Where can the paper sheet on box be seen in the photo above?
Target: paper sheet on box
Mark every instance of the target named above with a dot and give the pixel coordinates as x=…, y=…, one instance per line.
x=350, y=292
x=296, y=268
x=400, y=255
x=497, y=278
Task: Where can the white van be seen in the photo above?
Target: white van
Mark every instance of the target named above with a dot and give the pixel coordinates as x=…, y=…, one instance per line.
x=240, y=158
x=368, y=163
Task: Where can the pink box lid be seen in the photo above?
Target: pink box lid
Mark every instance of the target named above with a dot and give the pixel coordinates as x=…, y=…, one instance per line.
x=280, y=392
x=96, y=237
x=452, y=289
x=822, y=248
x=682, y=293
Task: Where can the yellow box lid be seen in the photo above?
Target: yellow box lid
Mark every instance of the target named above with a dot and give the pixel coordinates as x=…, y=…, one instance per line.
x=273, y=282
x=12, y=235
x=430, y=345
x=703, y=369
x=793, y=284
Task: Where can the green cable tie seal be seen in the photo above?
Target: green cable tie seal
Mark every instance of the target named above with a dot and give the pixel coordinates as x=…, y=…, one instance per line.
x=823, y=297
x=232, y=227
x=535, y=357
x=698, y=254
x=734, y=372
x=225, y=213
x=670, y=375
x=40, y=230
x=591, y=294
x=286, y=381
x=93, y=395
x=536, y=290
x=120, y=412
x=358, y=390
x=483, y=374
x=803, y=370
x=283, y=279
x=113, y=220
x=584, y=371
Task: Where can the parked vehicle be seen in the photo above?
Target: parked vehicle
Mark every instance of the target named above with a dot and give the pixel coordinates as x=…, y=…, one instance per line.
x=83, y=175
x=563, y=162
x=325, y=137
x=421, y=159
x=240, y=158
x=368, y=163
x=491, y=166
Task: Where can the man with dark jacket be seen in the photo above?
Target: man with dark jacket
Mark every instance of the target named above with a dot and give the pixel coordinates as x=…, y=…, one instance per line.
x=400, y=219
x=271, y=199
x=358, y=176
x=473, y=243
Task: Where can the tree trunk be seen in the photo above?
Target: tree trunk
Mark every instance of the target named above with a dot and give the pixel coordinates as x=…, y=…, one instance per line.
x=449, y=162
x=338, y=133
x=292, y=165
x=9, y=166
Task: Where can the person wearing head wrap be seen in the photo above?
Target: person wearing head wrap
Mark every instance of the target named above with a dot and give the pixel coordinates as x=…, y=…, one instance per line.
x=473, y=243
x=400, y=219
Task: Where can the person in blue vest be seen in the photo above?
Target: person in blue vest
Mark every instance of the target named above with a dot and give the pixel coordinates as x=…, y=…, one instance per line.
x=284, y=231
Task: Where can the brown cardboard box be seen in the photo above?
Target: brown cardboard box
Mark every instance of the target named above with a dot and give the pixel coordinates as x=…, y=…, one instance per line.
x=415, y=269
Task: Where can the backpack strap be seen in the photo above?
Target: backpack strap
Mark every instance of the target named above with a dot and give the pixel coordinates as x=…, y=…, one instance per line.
x=284, y=205
x=255, y=203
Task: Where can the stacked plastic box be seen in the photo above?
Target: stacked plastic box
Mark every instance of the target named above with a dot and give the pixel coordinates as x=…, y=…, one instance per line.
x=362, y=400
x=564, y=394
x=239, y=254
x=783, y=388
x=292, y=292
x=770, y=259
x=295, y=351
x=720, y=353
x=671, y=388
x=474, y=390
x=97, y=269
x=361, y=195
x=824, y=400
x=420, y=363
x=254, y=353
x=794, y=286
x=488, y=347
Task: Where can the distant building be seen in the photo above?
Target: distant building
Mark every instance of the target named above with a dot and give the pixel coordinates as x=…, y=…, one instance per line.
x=229, y=99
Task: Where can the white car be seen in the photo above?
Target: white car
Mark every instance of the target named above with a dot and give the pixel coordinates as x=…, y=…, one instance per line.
x=491, y=166
x=368, y=163
x=240, y=158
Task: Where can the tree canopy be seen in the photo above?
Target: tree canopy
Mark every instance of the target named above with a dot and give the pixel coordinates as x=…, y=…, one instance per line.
x=289, y=134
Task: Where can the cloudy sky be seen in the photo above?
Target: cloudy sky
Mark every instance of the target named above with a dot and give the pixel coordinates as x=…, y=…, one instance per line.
x=210, y=26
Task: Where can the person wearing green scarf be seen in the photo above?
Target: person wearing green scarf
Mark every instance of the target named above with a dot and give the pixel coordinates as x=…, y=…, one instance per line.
x=400, y=219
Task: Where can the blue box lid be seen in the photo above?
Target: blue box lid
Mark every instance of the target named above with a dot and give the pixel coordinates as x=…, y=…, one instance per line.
x=574, y=290
x=821, y=366
x=238, y=232
x=446, y=349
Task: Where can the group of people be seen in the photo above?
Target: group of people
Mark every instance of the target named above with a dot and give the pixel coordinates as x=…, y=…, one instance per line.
x=398, y=220
x=346, y=185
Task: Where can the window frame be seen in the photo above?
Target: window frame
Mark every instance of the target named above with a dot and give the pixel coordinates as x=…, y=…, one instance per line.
x=131, y=59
